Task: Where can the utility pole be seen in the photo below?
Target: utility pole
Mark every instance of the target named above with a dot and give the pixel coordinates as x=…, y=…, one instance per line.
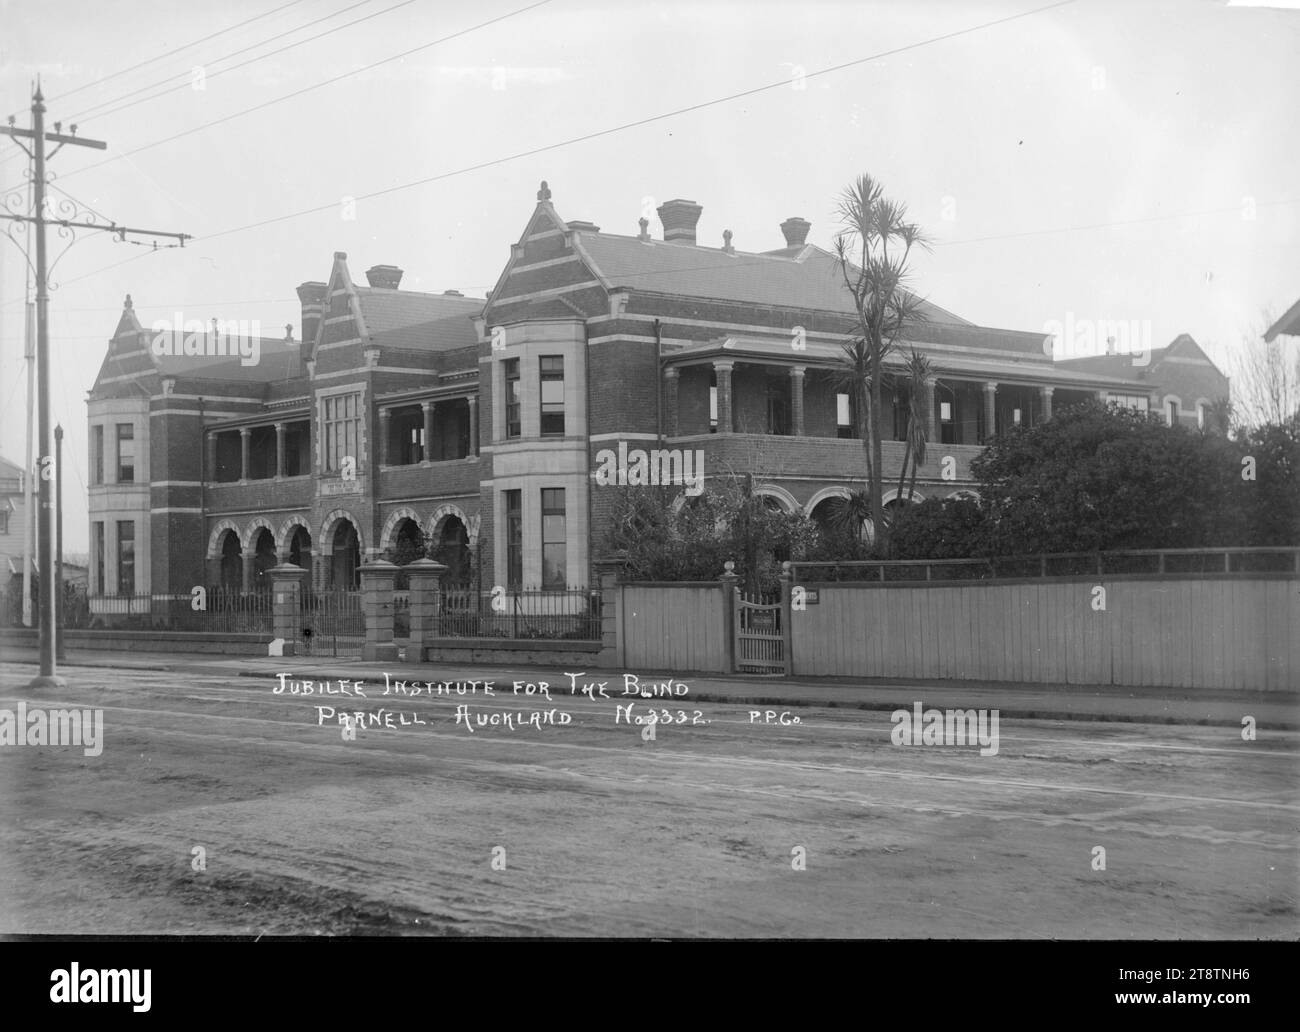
x=58, y=544
x=29, y=486
x=48, y=676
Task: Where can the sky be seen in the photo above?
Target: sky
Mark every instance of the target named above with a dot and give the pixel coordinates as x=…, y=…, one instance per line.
x=1074, y=161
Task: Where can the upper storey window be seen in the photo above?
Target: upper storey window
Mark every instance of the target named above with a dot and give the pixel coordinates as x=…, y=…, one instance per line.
x=125, y=453
x=513, y=425
x=341, y=425
x=552, y=391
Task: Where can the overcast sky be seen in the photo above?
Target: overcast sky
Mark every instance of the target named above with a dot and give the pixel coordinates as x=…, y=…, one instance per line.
x=1100, y=160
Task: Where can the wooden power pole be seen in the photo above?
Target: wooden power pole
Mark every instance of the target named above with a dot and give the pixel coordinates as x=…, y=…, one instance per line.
x=39, y=138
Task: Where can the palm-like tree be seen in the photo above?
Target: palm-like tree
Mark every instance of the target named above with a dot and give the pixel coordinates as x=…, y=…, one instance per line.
x=872, y=251
x=849, y=515
x=853, y=377
x=916, y=377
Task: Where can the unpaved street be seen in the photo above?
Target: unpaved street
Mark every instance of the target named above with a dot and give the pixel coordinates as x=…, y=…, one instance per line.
x=697, y=832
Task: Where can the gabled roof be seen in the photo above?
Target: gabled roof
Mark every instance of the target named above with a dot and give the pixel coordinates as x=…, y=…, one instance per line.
x=132, y=348
x=1288, y=325
x=1183, y=347
x=419, y=321
x=1106, y=365
x=276, y=360
x=805, y=277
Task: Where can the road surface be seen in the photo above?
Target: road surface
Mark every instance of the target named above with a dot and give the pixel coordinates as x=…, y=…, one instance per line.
x=218, y=806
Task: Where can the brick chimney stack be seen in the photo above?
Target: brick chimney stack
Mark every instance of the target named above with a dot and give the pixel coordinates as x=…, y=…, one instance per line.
x=679, y=218
x=312, y=297
x=386, y=276
x=796, y=231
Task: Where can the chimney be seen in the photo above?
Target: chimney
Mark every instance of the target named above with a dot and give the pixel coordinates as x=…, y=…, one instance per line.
x=452, y=293
x=312, y=296
x=679, y=218
x=796, y=231
x=385, y=276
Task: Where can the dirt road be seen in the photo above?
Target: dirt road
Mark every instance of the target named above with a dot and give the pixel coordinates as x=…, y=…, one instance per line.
x=719, y=826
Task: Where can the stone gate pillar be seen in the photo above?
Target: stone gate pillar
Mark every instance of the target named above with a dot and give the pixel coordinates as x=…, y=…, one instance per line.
x=426, y=606
x=612, y=652
x=377, y=604
x=286, y=605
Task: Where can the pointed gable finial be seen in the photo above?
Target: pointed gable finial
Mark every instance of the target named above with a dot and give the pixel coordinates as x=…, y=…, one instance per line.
x=128, y=303
x=645, y=229
x=544, y=194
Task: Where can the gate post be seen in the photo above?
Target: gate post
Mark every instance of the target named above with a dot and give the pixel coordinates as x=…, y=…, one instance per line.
x=377, y=604
x=286, y=604
x=612, y=650
x=729, y=580
x=787, y=625
x=426, y=605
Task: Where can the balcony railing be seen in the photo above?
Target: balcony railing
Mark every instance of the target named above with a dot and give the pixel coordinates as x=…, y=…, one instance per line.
x=839, y=458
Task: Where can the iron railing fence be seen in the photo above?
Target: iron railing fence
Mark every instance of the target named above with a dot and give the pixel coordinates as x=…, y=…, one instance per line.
x=215, y=608
x=572, y=614
x=1207, y=562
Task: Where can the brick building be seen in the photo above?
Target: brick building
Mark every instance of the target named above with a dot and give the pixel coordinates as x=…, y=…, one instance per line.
x=477, y=422
x=1180, y=381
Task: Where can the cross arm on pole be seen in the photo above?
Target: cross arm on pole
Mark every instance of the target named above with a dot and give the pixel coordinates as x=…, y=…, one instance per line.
x=59, y=138
x=119, y=231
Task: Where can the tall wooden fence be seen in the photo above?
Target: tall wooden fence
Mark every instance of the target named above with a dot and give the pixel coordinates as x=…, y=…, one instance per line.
x=674, y=626
x=1177, y=633
x=1197, y=619
x=1177, y=618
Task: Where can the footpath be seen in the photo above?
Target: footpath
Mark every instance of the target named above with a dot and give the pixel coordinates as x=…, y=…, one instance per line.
x=1223, y=707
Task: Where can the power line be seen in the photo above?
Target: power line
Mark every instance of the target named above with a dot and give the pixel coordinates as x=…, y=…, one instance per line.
x=630, y=125
x=690, y=108
x=242, y=50
x=169, y=53
x=327, y=82
x=251, y=46
x=729, y=264
x=180, y=304
x=1234, y=209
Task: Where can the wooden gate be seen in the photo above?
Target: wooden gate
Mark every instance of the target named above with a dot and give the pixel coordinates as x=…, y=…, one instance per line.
x=762, y=635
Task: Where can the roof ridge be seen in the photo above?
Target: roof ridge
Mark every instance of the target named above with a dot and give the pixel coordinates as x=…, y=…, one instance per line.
x=398, y=292
x=683, y=246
